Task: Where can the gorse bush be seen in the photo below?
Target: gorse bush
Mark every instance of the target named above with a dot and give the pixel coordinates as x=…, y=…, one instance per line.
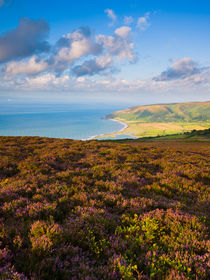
x=103, y=210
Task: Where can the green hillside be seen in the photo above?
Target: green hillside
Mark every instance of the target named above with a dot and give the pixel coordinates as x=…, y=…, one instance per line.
x=179, y=112
x=163, y=119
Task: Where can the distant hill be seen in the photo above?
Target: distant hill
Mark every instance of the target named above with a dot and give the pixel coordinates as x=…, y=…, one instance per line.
x=179, y=112
x=162, y=119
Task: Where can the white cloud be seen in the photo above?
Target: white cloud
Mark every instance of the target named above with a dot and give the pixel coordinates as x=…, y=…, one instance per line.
x=181, y=69
x=111, y=14
x=128, y=20
x=31, y=67
x=98, y=54
x=77, y=45
x=119, y=45
x=185, y=65
x=123, y=31
x=45, y=82
x=142, y=22
x=104, y=61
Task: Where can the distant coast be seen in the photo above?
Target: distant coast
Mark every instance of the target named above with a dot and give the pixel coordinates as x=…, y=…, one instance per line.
x=162, y=119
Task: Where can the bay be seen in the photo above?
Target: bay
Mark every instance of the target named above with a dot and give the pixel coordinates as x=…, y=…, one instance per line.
x=74, y=121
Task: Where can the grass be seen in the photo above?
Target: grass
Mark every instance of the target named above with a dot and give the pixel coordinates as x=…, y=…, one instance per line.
x=194, y=135
x=156, y=120
x=141, y=130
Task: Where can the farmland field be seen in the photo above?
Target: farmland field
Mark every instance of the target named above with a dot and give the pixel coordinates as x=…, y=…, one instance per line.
x=154, y=120
x=103, y=210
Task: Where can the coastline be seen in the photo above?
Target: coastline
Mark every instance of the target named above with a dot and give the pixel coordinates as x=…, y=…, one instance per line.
x=101, y=135
x=123, y=123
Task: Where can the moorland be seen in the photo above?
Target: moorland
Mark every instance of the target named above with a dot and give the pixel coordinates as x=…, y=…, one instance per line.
x=103, y=209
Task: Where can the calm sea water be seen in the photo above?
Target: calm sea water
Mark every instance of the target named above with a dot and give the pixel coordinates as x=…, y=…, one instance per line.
x=73, y=121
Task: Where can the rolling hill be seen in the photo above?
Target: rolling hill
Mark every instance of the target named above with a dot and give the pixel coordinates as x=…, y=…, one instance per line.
x=163, y=119
x=184, y=112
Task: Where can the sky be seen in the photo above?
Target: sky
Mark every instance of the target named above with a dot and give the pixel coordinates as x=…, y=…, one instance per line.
x=131, y=51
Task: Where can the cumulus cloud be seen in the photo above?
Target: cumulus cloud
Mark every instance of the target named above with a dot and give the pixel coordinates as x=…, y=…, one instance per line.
x=76, y=45
x=143, y=22
x=31, y=67
x=128, y=20
x=123, y=31
x=70, y=49
x=73, y=46
x=119, y=45
x=180, y=69
x=111, y=14
x=23, y=51
x=27, y=39
x=93, y=66
x=82, y=43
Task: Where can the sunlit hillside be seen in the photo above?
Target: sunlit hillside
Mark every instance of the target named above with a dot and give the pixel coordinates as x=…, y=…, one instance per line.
x=154, y=120
x=179, y=112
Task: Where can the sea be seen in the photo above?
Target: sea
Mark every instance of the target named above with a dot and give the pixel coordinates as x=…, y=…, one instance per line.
x=72, y=121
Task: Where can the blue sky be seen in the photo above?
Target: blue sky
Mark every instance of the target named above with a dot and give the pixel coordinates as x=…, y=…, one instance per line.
x=152, y=51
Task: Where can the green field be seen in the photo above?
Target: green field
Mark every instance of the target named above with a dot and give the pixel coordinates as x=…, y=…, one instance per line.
x=165, y=119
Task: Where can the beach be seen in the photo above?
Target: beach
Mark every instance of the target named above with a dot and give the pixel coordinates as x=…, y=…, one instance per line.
x=105, y=134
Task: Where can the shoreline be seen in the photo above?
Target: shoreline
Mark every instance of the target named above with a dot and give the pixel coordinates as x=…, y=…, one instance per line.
x=101, y=135
x=123, y=123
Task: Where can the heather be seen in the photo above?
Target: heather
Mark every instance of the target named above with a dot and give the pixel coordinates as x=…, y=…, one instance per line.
x=103, y=210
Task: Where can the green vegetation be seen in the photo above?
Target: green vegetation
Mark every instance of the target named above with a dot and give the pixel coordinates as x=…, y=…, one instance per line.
x=192, y=135
x=154, y=120
x=103, y=209
x=172, y=113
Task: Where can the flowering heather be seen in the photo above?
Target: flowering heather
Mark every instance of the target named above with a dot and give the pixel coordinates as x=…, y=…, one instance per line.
x=103, y=210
